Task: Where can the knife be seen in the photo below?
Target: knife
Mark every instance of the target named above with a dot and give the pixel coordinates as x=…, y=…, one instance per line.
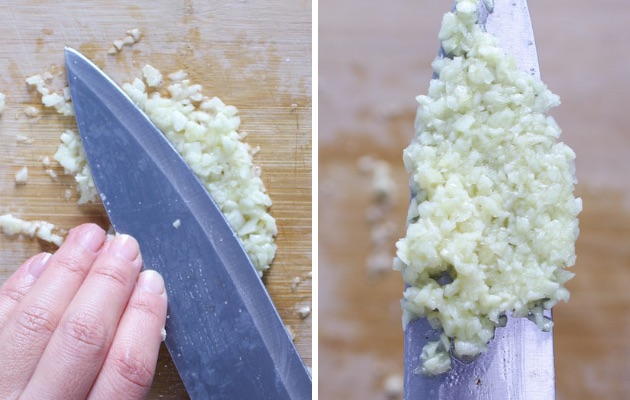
x=518, y=364
x=224, y=334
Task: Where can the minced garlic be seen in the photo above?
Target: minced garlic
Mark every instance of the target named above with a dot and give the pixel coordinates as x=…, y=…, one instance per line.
x=493, y=220
x=50, y=98
x=40, y=229
x=205, y=132
x=31, y=111
x=52, y=174
x=304, y=311
x=71, y=156
x=21, y=177
x=152, y=76
x=133, y=36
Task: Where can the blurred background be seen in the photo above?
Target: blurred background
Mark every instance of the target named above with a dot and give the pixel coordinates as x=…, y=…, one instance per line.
x=374, y=58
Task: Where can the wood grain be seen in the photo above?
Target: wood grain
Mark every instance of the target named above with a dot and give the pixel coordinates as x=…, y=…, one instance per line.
x=374, y=59
x=255, y=55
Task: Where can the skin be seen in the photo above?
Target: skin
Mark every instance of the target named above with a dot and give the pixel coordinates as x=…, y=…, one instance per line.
x=83, y=323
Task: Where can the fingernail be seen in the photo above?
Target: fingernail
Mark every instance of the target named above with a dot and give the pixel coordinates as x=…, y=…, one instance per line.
x=151, y=281
x=90, y=237
x=125, y=246
x=39, y=264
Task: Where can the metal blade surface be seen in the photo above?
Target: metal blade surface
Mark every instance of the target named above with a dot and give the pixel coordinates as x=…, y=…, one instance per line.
x=223, y=332
x=519, y=363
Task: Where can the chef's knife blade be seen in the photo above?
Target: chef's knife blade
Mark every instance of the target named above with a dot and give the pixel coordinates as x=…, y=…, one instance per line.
x=519, y=362
x=223, y=332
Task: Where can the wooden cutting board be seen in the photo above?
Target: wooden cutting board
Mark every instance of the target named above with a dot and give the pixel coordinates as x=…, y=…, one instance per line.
x=255, y=55
x=373, y=61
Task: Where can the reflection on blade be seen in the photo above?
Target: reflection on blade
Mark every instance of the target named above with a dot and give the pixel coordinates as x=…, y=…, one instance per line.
x=518, y=365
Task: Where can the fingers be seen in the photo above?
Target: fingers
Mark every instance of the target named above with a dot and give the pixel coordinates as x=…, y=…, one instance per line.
x=68, y=326
x=26, y=335
x=130, y=365
x=14, y=289
x=77, y=349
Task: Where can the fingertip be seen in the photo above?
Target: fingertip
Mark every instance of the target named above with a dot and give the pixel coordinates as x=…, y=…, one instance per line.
x=38, y=264
x=32, y=266
x=125, y=246
x=152, y=282
x=89, y=236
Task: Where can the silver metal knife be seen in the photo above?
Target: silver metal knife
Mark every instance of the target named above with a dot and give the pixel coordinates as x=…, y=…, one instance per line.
x=519, y=363
x=223, y=332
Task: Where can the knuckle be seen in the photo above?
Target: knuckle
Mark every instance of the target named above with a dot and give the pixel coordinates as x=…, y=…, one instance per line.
x=72, y=264
x=144, y=305
x=35, y=321
x=12, y=294
x=111, y=273
x=133, y=370
x=85, y=334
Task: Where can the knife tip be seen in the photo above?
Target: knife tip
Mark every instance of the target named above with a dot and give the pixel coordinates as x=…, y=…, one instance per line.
x=69, y=51
x=74, y=59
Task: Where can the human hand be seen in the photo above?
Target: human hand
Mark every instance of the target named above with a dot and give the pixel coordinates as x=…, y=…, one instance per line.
x=82, y=323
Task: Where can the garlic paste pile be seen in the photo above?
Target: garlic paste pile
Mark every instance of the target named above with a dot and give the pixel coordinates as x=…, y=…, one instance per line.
x=492, y=222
